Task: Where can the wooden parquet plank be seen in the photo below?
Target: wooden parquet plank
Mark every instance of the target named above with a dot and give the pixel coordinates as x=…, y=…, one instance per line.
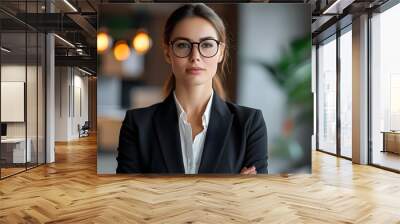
x=70, y=191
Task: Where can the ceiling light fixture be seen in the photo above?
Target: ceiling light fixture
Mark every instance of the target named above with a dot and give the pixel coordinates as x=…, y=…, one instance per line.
x=5, y=49
x=121, y=50
x=103, y=42
x=84, y=71
x=141, y=42
x=70, y=5
x=64, y=40
x=338, y=6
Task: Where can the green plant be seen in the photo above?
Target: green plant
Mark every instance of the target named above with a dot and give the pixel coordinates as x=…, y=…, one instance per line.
x=292, y=72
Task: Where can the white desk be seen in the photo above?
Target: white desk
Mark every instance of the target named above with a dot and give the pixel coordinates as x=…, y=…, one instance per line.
x=19, y=149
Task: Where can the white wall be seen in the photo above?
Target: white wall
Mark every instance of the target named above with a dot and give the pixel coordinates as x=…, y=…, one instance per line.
x=17, y=73
x=14, y=73
x=70, y=83
x=33, y=126
x=80, y=84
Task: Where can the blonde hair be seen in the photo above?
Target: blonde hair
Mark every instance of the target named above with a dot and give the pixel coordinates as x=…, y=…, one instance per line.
x=205, y=12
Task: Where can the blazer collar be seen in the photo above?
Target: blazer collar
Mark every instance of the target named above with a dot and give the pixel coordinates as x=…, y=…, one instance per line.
x=217, y=134
x=167, y=129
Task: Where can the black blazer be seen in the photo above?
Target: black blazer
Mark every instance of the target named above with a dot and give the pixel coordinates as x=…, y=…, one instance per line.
x=149, y=140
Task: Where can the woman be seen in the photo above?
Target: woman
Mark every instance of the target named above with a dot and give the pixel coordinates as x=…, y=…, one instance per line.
x=194, y=130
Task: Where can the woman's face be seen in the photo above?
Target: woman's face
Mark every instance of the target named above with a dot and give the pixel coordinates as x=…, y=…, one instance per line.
x=195, y=69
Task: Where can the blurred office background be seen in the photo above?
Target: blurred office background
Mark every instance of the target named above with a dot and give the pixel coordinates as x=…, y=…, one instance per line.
x=270, y=69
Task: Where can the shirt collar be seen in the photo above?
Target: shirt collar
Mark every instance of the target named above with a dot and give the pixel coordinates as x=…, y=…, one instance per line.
x=206, y=114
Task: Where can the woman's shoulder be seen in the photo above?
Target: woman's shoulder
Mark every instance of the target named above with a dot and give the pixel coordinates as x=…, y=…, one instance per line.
x=142, y=113
x=243, y=112
x=247, y=116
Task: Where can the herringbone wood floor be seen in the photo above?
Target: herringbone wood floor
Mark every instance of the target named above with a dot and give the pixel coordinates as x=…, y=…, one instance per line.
x=70, y=191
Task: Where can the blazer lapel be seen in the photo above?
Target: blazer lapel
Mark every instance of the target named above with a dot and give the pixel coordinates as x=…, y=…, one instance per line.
x=167, y=129
x=217, y=132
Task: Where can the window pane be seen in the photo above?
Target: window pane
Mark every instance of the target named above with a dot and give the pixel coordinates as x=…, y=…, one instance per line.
x=327, y=97
x=346, y=94
x=386, y=88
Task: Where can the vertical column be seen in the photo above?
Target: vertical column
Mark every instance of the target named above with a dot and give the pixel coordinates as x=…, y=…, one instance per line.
x=338, y=98
x=360, y=90
x=92, y=99
x=50, y=92
x=314, y=93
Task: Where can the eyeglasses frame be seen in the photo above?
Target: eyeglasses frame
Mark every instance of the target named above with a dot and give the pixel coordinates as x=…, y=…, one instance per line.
x=193, y=43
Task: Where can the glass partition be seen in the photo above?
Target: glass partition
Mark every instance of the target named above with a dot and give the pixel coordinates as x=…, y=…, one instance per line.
x=327, y=95
x=14, y=152
x=22, y=89
x=346, y=93
x=31, y=100
x=41, y=109
x=385, y=89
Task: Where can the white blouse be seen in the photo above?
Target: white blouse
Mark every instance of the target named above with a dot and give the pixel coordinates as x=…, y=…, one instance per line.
x=192, y=150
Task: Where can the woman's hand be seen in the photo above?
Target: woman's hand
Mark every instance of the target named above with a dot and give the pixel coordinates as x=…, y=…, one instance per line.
x=251, y=170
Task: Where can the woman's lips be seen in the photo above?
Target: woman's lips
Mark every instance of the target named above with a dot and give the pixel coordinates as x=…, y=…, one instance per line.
x=194, y=71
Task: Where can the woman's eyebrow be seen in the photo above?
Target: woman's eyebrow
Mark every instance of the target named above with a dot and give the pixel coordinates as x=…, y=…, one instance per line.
x=206, y=38
x=203, y=38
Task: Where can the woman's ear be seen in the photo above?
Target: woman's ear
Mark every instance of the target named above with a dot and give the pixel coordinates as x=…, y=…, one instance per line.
x=167, y=56
x=221, y=53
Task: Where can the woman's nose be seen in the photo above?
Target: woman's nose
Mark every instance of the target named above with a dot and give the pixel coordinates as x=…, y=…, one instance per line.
x=195, y=54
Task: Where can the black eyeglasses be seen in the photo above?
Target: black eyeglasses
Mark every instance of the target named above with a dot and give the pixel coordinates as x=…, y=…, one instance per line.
x=208, y=48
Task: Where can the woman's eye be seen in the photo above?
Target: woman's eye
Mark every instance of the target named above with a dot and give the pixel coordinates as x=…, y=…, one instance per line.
x=207, y=45
x=183, y=45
